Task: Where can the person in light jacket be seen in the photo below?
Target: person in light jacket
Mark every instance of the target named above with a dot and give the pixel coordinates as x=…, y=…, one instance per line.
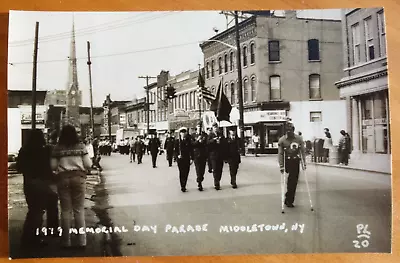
x=70, y=161
x=327, y=144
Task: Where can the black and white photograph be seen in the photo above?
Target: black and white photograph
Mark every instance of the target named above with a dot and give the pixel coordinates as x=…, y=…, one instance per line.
x=197, y=133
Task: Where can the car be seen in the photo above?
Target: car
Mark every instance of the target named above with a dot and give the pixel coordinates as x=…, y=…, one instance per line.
x=12, y=162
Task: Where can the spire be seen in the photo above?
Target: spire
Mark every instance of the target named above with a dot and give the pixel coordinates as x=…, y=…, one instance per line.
x=73, y=72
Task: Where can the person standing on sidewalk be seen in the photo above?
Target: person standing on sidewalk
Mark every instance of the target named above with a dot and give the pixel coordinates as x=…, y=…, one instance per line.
x=328, y=144
x=216, y=144
x=184, y=156
x=132, y=149
x=233, y=156
x=291, y=153
x=139, y=149
x=154, y=147
x=169, y=148
x=34, y=164
x=344, y=148
x=256, y=142
x=199, y=141
x=70, y=160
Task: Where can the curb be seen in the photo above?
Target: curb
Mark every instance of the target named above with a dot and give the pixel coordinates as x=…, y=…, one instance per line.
x=350, y=168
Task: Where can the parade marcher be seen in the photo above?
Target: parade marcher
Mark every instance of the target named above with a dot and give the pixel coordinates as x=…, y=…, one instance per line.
x=154, y=146
x=199, y=141
x=344, y=148
x=216, y=145
x=291, y=154
x=139, y=149
x=209, y=164
x=184, y=156
x=169, y=148
x=233, y=156
x=132, y=152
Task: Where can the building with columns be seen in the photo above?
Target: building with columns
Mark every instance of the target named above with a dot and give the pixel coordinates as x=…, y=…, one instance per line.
x=365, y=82
x=289, y=67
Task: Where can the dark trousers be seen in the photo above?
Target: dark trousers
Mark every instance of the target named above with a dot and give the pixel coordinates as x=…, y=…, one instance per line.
x=139, y=157
x=169, y=157
x=209, y=164
x=326, y=155
x=233, y=169
x=256, y=148
x=184, y=168
x=217, y=166
x=293, y=169
x=133, y=155
x=52, y=213
x=344, y=157
x=154, y=158
x=200, y=164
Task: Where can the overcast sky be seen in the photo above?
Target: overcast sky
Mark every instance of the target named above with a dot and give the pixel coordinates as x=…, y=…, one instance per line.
x=123, y=46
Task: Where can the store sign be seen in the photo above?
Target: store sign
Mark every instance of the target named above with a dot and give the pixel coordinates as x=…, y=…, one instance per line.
x=381, y=121
x=180, y=113
x=122, y=119
x=26, y=115
x=265, y=116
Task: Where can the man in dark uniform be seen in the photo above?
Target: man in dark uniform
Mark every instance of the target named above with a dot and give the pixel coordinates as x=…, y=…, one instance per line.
x=209, y=164
x=139, y=149
x=184, y=156
x=199, y=141
x=291, y=153
x=233, y=156
x=169, y=148
x=154, y=146
x=216, y=145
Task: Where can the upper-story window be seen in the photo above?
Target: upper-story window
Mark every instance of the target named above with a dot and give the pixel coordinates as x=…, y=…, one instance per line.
x=275, y=87
x=246, y=90
x=226, y=63
x=369, y=39
x=208, y=70
x=212, y=68
x=382, y=34
x=355, y=32
x=313, y=50
x=220, y=65
x=226, y=89
x=244, y=56
x=231, y=61
x=252, y=53
x=274, y=50
x=233, y=93
x=314, y=86
x=253, y=88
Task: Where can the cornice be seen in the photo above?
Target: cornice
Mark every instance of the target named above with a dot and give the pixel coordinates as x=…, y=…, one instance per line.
x=347, y=82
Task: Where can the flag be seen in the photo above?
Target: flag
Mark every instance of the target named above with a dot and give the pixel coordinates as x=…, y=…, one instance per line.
x=204, y=93
x=221, y=106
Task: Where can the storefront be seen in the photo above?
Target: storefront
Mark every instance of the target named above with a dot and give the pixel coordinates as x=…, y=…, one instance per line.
x=26, y=121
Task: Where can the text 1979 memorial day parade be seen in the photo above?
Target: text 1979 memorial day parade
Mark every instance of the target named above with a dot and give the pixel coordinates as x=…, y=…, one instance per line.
x=292, y=158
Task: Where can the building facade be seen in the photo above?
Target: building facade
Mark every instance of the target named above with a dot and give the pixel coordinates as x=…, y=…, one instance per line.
x=289, y=69
x=59, y=98
x=134, y=111
x=365, y=81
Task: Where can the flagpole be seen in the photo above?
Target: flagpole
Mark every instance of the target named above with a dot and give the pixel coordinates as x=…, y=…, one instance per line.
x=220, y=99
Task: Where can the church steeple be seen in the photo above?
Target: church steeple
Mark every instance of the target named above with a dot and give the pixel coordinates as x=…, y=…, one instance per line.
x=73, y=71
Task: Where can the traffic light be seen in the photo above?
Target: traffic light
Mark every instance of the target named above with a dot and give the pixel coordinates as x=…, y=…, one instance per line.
x=171, y=92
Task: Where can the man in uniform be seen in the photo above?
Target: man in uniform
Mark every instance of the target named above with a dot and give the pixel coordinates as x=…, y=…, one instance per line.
x=291, y=154
x=139, y=149
x=209, y=164
x=199, y=141
x=216, y=145
x=184, y=156
x=233, y=156
x=169, y=148
x=154, y=147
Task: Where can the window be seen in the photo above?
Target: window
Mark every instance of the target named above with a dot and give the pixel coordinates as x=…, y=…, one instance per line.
x=208, y=70
x=369, y=39
x=252, y=54
x=355, y=32
x=246, y=90
x=220, y=65
x=253, y=88
x=382, y=34
x=315, y=116
x=314, y=86
x=212, y=68
x=273, y=47
x=275, y=87
x=244, y=56
x=226, y=62
x=313, y=50
x=226, y=89
x=213, y=90
x=233, y=93
x=231, y=61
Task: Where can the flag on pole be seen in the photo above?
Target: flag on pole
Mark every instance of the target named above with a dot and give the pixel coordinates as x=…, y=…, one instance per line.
x=221, y=105
x=202, y=91
x=200, y=80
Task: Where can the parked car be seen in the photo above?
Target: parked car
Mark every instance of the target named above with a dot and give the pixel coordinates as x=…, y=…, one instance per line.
x=12, y=162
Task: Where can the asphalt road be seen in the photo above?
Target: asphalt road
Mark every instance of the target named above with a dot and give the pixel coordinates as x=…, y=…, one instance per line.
x=143, y=198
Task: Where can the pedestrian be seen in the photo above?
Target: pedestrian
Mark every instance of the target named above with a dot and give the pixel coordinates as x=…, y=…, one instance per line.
x=216, y=145
x=256, y=142
x=233, y=156
x=199, y=141
x=344, y=148
x=169, y=148
x=328, y=144
x=209, y=164
x=291, y=154
x=154, y=147
x=70, y=160
x=184, y=156
x=139, y=149
x=132, y=149
x=34, y=164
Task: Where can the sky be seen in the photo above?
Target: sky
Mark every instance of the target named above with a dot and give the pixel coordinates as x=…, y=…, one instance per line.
x=124, y=46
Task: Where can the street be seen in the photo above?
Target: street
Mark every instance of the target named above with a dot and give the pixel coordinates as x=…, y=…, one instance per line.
x=149, y=203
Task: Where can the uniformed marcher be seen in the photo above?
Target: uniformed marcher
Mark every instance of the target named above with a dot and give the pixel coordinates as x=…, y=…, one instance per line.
x=233, y=156
x=199, y=141
x=291, y=152
x=209, y=164
x=139, y=149
x=154, y=147
x=184, y=156
x=216, y=145
x=169, y=148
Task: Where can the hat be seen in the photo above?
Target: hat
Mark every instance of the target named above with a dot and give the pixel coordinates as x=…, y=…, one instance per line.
x=183, y=129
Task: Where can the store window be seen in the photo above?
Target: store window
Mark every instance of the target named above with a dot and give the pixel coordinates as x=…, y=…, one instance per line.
x=315, y=116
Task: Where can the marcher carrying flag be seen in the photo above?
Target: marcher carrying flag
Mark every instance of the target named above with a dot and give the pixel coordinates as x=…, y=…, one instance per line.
x=221, y=106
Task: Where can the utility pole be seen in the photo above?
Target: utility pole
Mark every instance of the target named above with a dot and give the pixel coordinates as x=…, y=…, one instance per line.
x=34, y=76
x=89, y=62
x=147, y=100
x=200, y=101
x=240, y=87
